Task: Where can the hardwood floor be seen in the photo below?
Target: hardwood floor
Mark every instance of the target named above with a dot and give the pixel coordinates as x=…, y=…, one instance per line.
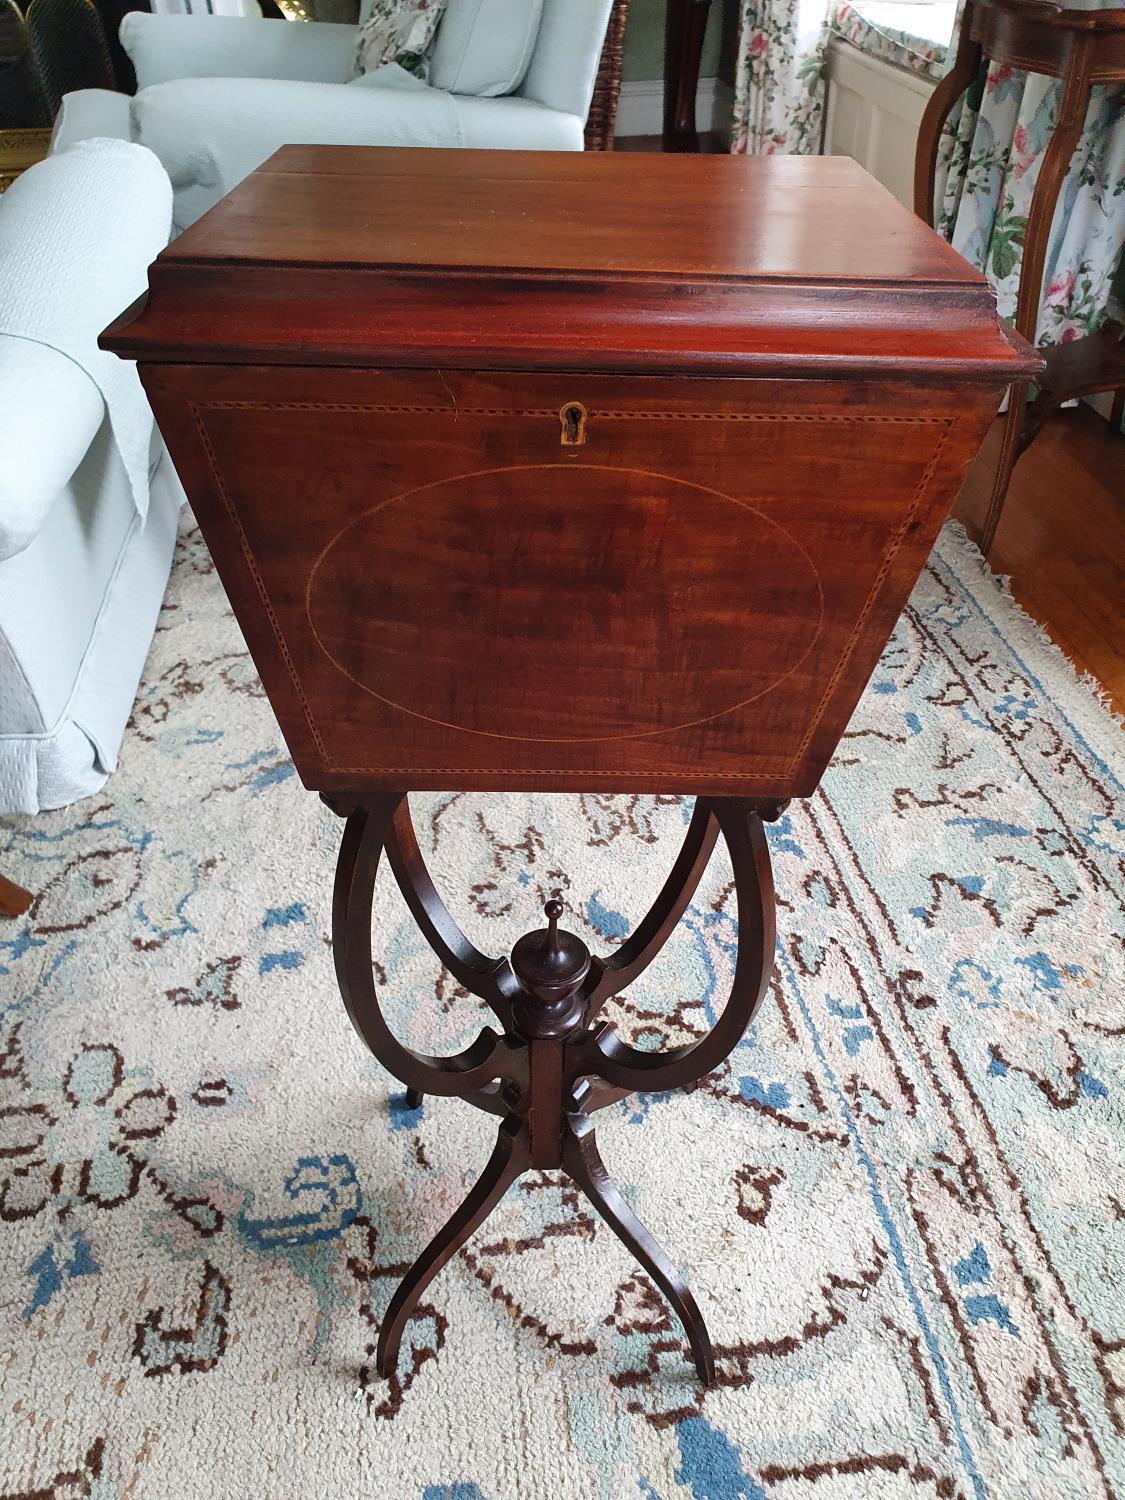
x=1062, y=538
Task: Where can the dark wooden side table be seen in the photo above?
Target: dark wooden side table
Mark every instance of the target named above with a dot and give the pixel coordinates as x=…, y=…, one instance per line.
x=564, y=473
x=1083, y=46
x=685, y=27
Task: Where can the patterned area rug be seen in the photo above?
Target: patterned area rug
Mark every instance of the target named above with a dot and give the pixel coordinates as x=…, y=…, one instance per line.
x=901, y=1204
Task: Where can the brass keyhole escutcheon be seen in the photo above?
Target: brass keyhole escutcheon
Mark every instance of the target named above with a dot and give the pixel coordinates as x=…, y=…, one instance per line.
x=573, y=417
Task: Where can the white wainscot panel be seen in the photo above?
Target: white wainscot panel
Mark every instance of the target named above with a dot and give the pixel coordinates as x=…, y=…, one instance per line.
x=874, y=110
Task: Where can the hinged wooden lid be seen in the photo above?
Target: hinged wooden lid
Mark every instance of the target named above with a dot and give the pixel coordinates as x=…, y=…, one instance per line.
x=536, y=260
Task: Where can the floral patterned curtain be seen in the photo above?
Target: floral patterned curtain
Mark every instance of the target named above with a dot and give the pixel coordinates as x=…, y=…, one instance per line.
x=988, y=164
x=779, y=85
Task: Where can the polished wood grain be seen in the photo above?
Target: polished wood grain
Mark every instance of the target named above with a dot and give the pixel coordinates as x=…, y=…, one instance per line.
x=352, y=207
x=713, y=571
x=524, y=472
x=734, y=265
x=712, y=565
x=681, y=621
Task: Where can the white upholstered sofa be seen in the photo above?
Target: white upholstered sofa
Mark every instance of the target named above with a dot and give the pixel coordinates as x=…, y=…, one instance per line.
x=217, y=95
x=88, y=496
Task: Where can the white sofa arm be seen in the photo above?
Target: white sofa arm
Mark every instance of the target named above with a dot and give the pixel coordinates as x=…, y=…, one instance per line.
x=49, y=416
x=78, y=232
x=164, y=47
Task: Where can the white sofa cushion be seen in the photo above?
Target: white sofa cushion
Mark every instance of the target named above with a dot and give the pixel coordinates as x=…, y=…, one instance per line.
x=210, y=133
x=564, y=70
x=77, y=613
x=515, y=124
x=389, y=76
x=84, y=113
x=484, y=47
x=52, y=592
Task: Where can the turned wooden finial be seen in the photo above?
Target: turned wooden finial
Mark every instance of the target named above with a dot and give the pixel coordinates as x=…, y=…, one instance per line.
x=552, y=911
x=550, y=966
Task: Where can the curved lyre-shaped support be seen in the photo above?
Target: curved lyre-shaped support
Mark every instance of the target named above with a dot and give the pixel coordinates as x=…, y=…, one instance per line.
x=556, y=1063
x=490, y=979
x=652, y=932
x=489, y=1058
x=601, y=1054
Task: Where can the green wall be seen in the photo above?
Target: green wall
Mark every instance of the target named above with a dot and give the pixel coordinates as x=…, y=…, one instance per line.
x=644, y=38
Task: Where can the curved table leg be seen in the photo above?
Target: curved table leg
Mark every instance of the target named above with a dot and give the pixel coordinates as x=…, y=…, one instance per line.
x=582, y=1162
x=684, y=32
x=966, y=66
x=490, y=979
x=507, y=1162
x=1013, y=421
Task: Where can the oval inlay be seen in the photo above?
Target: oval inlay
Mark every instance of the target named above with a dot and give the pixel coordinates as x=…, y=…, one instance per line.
x=490, y=601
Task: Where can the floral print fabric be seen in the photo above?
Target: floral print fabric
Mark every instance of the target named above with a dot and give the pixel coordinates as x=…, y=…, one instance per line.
x=779, y=83
x=866, y=29
x=991, y=152
x=398, y=31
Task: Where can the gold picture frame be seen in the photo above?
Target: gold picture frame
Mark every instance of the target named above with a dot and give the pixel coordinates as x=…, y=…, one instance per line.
x=20, y=149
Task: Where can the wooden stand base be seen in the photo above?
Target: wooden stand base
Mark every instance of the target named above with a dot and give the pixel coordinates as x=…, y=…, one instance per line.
x=555, y=1063
x=14, y=900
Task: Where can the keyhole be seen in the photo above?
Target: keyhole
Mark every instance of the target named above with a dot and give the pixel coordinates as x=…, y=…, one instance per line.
x=573, y=418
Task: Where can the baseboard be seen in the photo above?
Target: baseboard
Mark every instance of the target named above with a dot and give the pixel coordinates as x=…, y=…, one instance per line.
x=640, y=110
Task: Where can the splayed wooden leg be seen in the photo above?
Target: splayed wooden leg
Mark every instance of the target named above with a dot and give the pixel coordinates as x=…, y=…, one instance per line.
x=582, y=1162
x=507, y=1162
